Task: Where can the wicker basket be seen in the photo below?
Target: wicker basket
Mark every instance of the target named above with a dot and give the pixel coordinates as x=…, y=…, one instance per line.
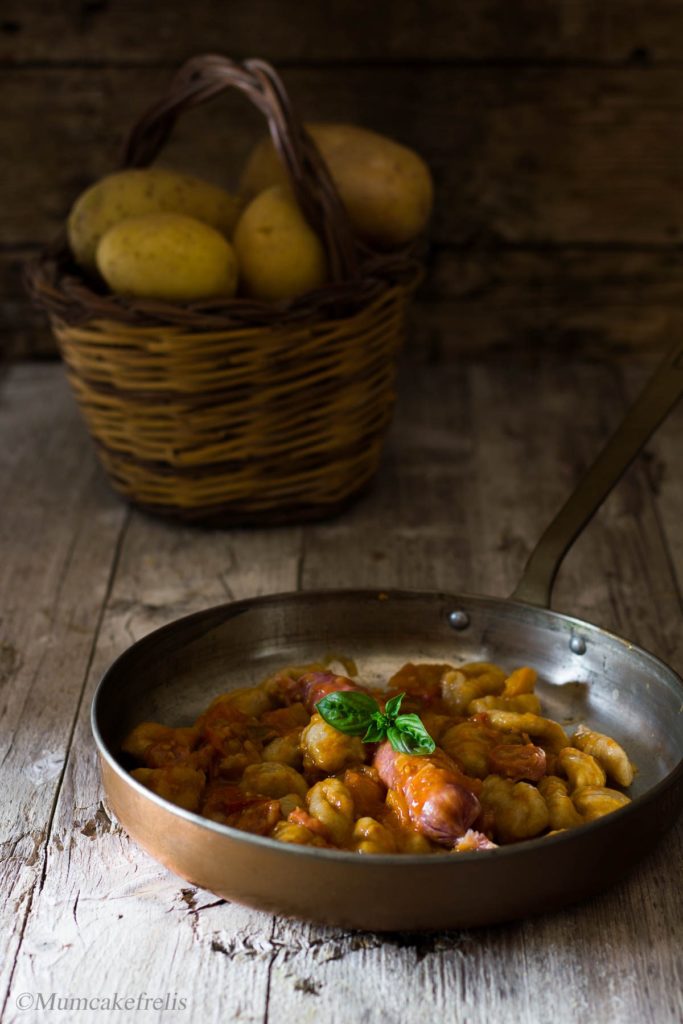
x=235, y=411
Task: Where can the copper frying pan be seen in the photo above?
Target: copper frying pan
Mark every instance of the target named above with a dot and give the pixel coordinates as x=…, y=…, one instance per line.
x=588, y=675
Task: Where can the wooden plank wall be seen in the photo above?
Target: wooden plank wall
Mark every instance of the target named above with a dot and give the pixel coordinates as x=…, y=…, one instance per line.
x=554, y=130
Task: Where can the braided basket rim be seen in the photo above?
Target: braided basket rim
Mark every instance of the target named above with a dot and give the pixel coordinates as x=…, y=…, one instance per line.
x=58, y=287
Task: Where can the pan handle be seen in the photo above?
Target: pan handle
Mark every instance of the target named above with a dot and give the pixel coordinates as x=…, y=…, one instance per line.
x=657, y=399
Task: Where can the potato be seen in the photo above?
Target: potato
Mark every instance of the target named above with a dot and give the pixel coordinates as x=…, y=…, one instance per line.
x=135, y=192
x=167, y=256
x=386, y=188
x=278, y=253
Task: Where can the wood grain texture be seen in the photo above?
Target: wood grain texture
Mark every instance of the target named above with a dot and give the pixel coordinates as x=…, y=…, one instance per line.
x=536, y=156
x=472, y=478
x=592, y=300
x=554, y=131
x=481, y=453
x=664, y=461
x=88, y=906
x=58, y=535
x=341, y=30
x=24, y=330
x=667, y=482
x=558, y=211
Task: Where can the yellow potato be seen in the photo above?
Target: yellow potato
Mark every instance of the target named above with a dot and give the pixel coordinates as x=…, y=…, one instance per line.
x=279, y=254
x=386, y=188
x=167, y=256
x=148, y=190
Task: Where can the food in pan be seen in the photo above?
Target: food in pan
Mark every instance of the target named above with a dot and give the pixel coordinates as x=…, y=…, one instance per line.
x=444, y=759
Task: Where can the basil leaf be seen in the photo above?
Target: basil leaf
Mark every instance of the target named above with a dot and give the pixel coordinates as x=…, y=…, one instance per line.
x=349, y=711
x=408, y=736
x=377, y=729
x=392, y=706
x=357, y=714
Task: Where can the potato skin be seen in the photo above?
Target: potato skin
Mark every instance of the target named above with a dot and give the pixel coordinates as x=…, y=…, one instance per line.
x=387, y=188
x=279, y=254
x=167, y=256
x=135, y=192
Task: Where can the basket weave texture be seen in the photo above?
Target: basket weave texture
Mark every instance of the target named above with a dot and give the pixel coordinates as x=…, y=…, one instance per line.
x=237, y=411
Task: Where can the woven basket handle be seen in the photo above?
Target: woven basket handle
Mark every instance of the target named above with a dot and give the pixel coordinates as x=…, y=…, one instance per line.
x=202, y=77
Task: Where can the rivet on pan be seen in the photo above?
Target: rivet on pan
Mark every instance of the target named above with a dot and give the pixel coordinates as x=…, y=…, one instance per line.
x=578, y=645
x=459, y=620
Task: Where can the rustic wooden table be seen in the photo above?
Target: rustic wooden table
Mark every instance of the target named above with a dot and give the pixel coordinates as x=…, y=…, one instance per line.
x=481, y=453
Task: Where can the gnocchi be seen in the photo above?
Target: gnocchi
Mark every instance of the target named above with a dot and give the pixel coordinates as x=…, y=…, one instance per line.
x=607, y=752
x=263, y=759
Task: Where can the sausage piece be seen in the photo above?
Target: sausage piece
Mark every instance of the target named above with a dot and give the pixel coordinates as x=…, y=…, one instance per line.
x=439, y=806
x=313, y=686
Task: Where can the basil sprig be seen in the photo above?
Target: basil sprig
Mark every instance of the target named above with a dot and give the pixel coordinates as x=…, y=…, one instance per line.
x=358, y=714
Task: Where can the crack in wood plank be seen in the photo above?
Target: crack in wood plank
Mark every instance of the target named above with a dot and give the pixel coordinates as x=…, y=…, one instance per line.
x=269, y=974
x=39, y=883
x=464, y=448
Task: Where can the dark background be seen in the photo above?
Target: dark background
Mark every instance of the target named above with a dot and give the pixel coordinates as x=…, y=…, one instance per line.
x=554, y=129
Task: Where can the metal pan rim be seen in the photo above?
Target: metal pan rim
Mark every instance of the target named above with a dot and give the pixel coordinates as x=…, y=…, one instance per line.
x=387, y=860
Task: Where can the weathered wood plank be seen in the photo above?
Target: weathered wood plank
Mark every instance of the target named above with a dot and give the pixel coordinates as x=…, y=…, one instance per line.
x=594, y=960
x=486, y=455
x=480, y=455
x=667, y=479
x=343, y=30
x=665, y=467
x=575, y=299
x=24, y=331
x=59, y=528
x=539, y=155
x=100, y=893
x=618, y=574
x=476, y=471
